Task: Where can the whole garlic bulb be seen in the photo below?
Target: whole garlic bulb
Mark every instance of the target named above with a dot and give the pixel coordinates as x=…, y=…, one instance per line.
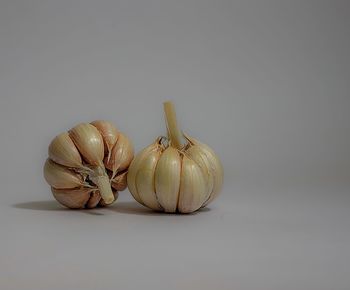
x=171, y=177
x=85, y=163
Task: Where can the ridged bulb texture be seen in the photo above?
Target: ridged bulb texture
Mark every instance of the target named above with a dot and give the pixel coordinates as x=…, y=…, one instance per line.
x=167, y=179
x=87, y=165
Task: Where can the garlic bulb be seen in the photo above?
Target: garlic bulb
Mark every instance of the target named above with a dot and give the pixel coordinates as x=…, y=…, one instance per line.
x=171, y=177
x=88, y=165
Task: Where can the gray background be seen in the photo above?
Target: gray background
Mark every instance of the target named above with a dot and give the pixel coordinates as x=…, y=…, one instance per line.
x=265, y=83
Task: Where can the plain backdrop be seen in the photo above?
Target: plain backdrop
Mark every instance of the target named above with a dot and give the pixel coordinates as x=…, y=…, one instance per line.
x=265, y=83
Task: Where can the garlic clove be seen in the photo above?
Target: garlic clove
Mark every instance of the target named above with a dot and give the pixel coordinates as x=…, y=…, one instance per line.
x=121, y=155
x=145, y=180
x=167, y=179
x=195, y=153
x=89, y=143
x=134, y=167
x=59, y=176
x=109, y=134
x=72, y=198
x=95, y=198
x=120, y=181
x=215, y=166
x=63, y=151
x=193, y=189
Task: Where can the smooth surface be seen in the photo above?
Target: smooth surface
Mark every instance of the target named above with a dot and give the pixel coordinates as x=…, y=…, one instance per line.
x=264, y=82
x=253, y=237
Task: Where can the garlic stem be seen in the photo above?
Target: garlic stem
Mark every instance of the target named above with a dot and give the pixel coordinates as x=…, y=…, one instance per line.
x=173, y=131
x=101, y=179
x=105, y=189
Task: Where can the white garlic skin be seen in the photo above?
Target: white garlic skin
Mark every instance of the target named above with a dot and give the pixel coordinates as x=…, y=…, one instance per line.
x=78, y=161
x=175, y=181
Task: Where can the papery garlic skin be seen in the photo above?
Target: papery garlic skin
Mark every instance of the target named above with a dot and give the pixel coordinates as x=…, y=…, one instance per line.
x=193, y=190
x=135, y=166
x=72, y=198
x=145, y=182
x=59, y=176
x=208, y=160
x=63, y=151
x=109, y=134
x=76, y=168
x=119, y=182
x=89, y=142
x=170, y=180
x=175, y=177
x=121, y=155
x=167, y=179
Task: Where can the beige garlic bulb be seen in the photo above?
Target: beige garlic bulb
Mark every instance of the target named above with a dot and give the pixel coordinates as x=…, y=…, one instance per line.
x=173, y=177
x=87, y=166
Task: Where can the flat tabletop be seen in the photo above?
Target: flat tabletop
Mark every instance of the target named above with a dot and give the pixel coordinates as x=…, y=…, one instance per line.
x=251, y=237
